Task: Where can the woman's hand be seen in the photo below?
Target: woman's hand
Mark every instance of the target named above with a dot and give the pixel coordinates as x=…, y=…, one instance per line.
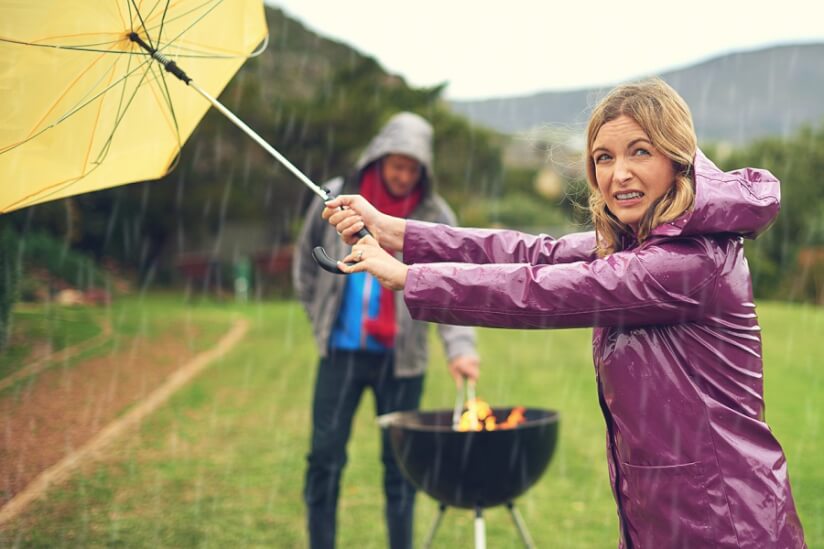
x=368, y=256
x=358, y=213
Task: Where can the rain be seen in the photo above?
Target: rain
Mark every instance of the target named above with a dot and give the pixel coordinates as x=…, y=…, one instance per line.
x=157, y=367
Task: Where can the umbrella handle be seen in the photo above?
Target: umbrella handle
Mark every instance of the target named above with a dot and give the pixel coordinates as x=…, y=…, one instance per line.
x=329, y=264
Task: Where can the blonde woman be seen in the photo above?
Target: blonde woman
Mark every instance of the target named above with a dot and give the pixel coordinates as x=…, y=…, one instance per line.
x=664, y=282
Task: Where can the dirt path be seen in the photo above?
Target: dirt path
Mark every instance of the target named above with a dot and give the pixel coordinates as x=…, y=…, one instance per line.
x=67, y=416
x=68, y=353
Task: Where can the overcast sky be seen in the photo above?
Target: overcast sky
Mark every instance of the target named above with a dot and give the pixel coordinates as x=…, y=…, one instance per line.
x=489, y=48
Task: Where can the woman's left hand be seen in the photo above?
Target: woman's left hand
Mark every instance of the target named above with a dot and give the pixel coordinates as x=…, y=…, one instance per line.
x=368, y=256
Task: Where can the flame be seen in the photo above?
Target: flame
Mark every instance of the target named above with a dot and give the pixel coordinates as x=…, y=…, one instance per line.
x=479, y=417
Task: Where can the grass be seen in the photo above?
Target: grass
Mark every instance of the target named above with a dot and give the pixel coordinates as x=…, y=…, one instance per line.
x=52, y=328
x=47, y=326
x=222, y=463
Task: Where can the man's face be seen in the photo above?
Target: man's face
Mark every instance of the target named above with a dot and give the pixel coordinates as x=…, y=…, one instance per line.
x=400, y=173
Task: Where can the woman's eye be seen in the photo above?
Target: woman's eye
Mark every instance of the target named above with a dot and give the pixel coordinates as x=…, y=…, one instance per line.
x=642, y=152
x=603, y=157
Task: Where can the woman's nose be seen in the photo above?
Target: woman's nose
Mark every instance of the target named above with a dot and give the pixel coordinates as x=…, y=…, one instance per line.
x=621, y=171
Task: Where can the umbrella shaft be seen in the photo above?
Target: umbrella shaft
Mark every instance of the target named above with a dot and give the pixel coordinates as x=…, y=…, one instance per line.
x=174, y=69
x=260, y=141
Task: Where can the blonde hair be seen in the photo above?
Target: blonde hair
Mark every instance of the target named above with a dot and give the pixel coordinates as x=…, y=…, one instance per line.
x=666, y=119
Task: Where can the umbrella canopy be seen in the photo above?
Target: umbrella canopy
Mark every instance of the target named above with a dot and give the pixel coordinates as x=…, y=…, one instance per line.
x=84, y=106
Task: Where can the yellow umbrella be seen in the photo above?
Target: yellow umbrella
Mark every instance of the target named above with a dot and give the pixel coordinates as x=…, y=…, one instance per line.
x=87, y=104
x=84, y=104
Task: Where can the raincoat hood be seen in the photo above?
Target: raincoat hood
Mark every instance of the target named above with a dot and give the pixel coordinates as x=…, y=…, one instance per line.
x=406, y=133
x=743, y=202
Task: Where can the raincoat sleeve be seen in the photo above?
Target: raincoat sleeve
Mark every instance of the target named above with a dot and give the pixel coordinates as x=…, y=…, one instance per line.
x=432, y=243
x=457, y=341
x=667, y=283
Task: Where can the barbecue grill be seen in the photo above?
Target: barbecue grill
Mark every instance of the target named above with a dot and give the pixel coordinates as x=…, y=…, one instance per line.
x=472, y=469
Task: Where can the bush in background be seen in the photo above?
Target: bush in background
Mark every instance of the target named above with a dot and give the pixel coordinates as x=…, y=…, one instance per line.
x=9, y=276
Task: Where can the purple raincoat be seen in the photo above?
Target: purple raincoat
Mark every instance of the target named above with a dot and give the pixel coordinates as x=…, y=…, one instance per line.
x=677, y=351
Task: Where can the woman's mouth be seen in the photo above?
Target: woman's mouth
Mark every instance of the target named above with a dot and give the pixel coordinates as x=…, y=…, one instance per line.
x=628, y=198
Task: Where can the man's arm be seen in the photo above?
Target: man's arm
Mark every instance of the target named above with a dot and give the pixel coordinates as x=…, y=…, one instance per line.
x=304, y=268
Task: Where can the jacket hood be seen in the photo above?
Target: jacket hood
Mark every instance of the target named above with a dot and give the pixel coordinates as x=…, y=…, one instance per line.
x=743, y=202
x=406, y=133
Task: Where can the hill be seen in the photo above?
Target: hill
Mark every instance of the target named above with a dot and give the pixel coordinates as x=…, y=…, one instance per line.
x=734, y=98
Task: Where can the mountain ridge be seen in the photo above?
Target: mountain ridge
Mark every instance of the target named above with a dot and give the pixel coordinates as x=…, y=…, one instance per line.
x=734, y=97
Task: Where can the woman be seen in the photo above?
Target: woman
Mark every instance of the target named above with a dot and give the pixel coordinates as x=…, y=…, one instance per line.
x=664, y=282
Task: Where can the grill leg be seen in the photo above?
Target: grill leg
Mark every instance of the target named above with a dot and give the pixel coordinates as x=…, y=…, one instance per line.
x=519, y=524
x=480, y=530
x=431, y=536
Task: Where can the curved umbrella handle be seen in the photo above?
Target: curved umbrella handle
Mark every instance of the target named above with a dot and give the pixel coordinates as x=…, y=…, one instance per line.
x=326, y=262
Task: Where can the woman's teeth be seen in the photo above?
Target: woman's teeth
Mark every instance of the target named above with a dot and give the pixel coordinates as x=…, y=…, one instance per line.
x=629, y=196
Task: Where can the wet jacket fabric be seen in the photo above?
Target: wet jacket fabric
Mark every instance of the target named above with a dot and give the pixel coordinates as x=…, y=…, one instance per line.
x=321, y=292
x=676, y=347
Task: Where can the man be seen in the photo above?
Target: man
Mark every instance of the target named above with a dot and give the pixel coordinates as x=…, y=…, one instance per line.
x=365, y=336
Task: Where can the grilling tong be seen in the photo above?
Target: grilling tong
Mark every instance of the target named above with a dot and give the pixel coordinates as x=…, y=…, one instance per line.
x=466, y=393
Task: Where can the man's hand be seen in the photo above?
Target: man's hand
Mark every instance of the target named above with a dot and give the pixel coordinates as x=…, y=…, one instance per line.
x=464, y=367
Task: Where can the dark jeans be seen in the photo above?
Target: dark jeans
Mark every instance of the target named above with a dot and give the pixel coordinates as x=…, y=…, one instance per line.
x=341, y=380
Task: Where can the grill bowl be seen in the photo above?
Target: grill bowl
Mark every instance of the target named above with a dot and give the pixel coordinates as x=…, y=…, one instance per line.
x=472, y=469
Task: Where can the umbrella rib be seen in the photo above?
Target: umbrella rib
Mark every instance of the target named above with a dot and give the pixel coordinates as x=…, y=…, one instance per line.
x=73, y=48
x=162, y=22
x=34, y=132
x=121, y=112
x=95, y=126
x=89, y=47
x=229, y=54
x=62, y=95
x=76, y=109
x=60, y=185
x=214, y=4
x=148, y=17
x=78, y=34
x=52, y=189
x=120, y=14
x=142, y=23
x=168, y=99
x=191, y=10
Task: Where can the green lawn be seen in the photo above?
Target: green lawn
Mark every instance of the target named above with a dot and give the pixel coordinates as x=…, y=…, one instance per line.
x=222, y=463
x=42, y=328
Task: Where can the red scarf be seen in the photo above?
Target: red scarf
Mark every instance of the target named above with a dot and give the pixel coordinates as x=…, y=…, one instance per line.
x=383, y=327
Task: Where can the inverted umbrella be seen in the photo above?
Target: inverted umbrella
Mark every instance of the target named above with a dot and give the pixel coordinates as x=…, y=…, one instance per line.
x=86, y=100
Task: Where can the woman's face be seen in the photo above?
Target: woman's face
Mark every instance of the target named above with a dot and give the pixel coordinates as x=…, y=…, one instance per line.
x=631, y=173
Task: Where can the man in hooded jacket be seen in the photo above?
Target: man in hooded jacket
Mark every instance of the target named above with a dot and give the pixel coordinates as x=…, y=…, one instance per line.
x=364, y=333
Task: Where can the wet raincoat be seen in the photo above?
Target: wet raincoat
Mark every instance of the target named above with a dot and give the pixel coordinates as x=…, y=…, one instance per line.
x=676, y=346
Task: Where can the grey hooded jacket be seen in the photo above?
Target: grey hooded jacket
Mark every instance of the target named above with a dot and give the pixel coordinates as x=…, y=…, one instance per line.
x=321, y=292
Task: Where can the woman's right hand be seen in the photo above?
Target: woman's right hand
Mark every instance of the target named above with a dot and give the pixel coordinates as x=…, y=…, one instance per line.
x=358, y=213
x=349, y=213
x=367, y=255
